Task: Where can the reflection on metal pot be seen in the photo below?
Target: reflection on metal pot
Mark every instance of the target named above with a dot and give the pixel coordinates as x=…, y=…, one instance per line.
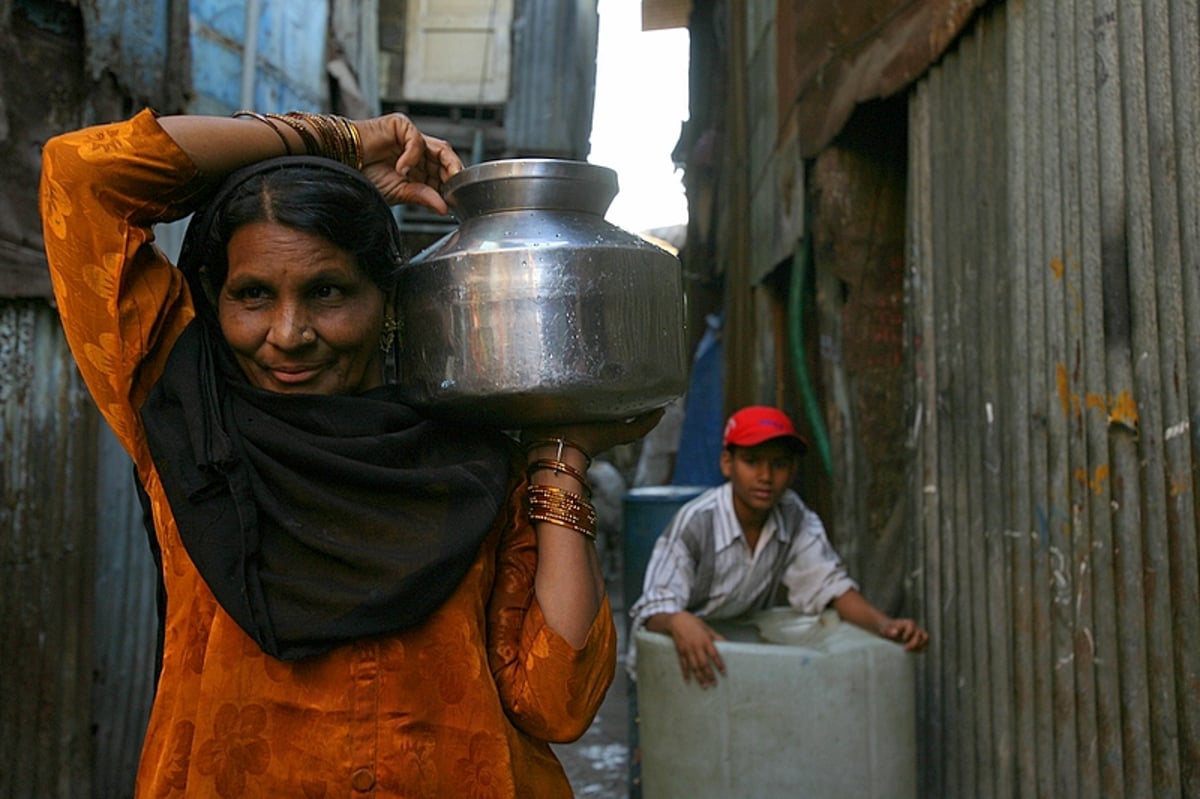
x=536, y=310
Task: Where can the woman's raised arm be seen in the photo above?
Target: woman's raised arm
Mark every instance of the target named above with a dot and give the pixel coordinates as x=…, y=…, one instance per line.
x=403, y=163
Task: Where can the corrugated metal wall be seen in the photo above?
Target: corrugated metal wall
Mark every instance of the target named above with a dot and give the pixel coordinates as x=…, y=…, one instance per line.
x=1055, y=329
x=76, y=579
x=47, y=550
x=553, y=79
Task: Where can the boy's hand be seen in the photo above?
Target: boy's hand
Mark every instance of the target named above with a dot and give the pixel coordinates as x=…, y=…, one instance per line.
x=907, y=632
x=693, y=639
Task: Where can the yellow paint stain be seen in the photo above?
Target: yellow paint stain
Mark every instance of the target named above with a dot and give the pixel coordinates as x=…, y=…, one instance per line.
x=1057, y=267
x=1063, y=382
x=1121, y=409
x=1094, y=482
x=1124, y=411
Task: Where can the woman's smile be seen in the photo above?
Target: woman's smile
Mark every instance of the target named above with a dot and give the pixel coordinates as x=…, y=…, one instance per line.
x=294, y=375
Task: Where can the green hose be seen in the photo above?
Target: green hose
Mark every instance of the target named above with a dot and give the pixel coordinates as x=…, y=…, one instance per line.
x=812, y=409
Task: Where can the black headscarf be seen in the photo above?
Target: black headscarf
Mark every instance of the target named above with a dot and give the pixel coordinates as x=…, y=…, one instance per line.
x=315, y=520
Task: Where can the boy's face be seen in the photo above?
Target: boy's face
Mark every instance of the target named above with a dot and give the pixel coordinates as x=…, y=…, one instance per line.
x=759, y=475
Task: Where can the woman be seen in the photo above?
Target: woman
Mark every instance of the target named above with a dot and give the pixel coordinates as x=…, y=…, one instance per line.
x=358, y=600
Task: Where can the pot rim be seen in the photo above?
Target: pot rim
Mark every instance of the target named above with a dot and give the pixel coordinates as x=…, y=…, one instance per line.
x=525, y=183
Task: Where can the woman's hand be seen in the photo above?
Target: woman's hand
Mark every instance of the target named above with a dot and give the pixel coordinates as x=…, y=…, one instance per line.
x=596, y=437
x=404, y=164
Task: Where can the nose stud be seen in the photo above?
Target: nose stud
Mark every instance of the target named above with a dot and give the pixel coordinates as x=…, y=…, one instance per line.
x=308, y=335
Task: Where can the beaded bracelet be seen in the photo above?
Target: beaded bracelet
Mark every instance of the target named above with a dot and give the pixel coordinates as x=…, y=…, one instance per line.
x=287, y=148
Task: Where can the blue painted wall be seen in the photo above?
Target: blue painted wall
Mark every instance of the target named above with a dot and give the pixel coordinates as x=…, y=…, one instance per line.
x=142, y=43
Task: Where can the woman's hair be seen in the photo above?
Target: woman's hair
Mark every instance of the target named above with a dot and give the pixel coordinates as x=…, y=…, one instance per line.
x=338, y=205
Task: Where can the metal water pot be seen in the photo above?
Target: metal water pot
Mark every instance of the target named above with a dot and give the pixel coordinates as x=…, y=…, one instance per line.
x=536, y=310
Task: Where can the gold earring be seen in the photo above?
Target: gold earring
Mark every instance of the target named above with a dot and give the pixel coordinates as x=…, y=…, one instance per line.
x=391, y=332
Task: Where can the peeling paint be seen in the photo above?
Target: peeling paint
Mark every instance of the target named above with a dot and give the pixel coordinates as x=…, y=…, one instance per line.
x=1094, y=482
x=1124, y=411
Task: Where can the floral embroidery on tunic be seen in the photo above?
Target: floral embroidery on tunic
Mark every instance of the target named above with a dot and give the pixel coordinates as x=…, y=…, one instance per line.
x=478, y=773
x=236, y=749
x=176, y=767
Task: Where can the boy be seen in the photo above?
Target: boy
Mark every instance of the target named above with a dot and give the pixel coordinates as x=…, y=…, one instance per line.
x=727, y=551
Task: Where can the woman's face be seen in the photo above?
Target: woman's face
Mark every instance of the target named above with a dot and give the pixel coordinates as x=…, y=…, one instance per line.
x=300, y=314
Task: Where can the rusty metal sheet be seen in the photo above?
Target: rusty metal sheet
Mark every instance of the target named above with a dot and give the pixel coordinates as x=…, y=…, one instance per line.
x=837, y=53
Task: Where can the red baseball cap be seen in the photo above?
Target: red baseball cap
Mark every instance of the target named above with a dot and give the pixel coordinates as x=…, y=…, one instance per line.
x=756, y=424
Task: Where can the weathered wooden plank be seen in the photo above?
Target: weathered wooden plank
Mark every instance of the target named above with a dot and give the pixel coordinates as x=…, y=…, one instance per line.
x=1096, y=643
x=1154, y=581
x=920, y=346
x=1184, y=48
x=1047, y=266
x=997, y=766
x=957, y=273
x=1179, y=540
x=952, y=523
x=1075, y=611
x=1041, y=406
x=1019, y=510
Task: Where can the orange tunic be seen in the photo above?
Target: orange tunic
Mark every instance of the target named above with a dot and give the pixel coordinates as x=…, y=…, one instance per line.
x=463, y=705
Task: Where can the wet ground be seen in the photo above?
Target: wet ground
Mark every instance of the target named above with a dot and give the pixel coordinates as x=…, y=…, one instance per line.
x=598, y=763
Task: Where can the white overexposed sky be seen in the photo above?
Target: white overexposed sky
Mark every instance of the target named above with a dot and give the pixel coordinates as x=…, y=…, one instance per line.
x=641, y=101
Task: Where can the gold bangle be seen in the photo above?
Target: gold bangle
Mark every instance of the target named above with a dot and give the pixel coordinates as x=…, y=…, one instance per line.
x=587, y=532
x=329, y=142
x=581, y=520
x=559, y=467
x=313, y=122
x=306, y=137
x=339, y=146
x=560, y=444
x=553, y=497
x=564, y=508
x=553, y=493
x=287, y=148
x=355, y=141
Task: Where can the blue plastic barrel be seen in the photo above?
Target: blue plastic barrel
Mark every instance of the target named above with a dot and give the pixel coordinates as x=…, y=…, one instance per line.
x=648, y=511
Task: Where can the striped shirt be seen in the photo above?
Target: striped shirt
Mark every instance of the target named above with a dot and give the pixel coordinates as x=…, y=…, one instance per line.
x=702, y=563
